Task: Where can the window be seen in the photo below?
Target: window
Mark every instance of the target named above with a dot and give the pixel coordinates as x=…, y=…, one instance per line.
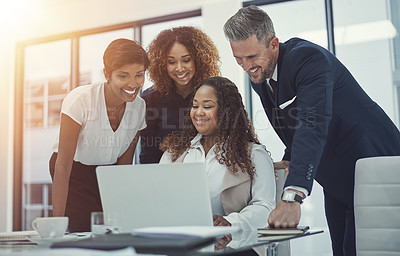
x=363, y=44
x=91, y=50
x=395, y=18
x=46, y=82
x=304, y=19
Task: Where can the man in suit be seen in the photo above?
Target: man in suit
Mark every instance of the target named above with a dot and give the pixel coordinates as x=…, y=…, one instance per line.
x=321, y=114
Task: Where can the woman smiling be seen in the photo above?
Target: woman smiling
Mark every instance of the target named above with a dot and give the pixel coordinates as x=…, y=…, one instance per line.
x=100, y=125
x=239, y=169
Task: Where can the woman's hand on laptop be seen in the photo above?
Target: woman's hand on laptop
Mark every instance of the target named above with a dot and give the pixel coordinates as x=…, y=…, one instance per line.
x=220, y=221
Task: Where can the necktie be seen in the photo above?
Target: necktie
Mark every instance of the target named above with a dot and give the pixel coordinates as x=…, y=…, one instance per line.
x=272, y=88
x=273, y=84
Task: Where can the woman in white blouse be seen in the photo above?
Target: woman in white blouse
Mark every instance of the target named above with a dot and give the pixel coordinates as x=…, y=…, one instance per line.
x=100, y=125
x=240, y=171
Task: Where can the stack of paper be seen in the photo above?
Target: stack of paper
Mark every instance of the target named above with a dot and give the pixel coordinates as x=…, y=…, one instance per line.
x=270, y=233
x=17, y=235
x=17, y=239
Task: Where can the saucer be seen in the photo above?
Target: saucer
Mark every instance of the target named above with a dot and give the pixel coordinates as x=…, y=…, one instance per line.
x=49, y=241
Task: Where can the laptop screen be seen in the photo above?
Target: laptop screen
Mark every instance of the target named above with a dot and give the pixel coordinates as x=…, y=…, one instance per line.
x=151, y=195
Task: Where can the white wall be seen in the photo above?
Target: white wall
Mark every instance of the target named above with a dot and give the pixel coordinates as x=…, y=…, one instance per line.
x=30, y=19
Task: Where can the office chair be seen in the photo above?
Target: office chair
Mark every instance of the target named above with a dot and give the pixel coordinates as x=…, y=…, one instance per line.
x=377, y=206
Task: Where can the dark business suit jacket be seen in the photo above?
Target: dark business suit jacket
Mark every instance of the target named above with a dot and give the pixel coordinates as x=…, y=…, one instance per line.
x=330, y=121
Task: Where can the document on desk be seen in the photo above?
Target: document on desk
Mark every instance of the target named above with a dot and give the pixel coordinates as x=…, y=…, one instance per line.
x=184, y=231
x=18, y=235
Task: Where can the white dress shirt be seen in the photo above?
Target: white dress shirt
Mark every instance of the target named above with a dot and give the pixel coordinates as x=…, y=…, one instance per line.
x=256, y=213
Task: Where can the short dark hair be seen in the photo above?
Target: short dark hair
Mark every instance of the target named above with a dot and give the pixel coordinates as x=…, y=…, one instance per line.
x=124, y=51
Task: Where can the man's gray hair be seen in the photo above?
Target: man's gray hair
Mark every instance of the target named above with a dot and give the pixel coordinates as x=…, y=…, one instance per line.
x=249, y=21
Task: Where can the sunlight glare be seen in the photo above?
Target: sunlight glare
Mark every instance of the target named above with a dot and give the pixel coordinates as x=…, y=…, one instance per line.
x=15, y=13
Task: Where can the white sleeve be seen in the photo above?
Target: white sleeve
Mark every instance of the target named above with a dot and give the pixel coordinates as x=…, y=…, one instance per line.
x=166, y=158
x=255, y=214
x=303, y=190
x=74, y=106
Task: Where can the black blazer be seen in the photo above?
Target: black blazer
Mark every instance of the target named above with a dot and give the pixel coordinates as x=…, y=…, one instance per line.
x=164, y=115
x=324, y=118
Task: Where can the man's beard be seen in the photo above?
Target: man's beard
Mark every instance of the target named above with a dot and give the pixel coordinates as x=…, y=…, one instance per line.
x=263, y=77
x=267, y=73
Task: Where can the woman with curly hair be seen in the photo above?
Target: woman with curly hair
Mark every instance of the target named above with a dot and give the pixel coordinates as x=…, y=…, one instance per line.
x=180, y=58
x=240, y=171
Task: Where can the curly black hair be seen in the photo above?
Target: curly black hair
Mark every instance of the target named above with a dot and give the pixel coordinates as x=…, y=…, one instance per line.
x=199, y=45
x=236, y=131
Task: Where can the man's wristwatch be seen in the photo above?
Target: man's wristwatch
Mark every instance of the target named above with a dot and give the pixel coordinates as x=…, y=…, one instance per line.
x=291, y=196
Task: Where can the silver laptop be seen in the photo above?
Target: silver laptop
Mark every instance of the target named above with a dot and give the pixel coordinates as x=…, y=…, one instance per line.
x=151, y=195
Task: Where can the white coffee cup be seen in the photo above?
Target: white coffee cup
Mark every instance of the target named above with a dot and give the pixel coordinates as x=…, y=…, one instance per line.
x=51, y=227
